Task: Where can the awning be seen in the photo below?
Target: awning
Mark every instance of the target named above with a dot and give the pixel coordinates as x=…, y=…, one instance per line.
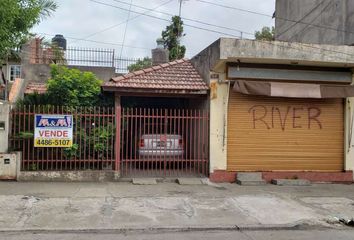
x=293, y=90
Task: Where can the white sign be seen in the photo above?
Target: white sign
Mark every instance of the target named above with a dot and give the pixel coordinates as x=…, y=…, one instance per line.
x=53, y=130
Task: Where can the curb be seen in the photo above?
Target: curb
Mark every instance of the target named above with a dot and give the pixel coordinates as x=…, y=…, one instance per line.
x=239, y=228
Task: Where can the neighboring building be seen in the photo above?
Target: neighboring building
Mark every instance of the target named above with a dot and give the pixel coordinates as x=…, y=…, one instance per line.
x=279, y=108
x=33, y=64
x=315, y=21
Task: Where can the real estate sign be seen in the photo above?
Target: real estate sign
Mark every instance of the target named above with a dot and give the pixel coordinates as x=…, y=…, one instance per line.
x=53, y=130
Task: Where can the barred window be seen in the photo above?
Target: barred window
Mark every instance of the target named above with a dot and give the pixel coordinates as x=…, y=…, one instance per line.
x=15, y=72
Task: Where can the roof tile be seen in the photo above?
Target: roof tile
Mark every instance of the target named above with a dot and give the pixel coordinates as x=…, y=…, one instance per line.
x=176, y=75
x=35, y=87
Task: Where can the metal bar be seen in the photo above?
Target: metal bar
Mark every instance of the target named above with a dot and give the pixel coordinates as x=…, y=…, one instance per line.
x=188, y=165
x=99, y=152
x=198, y=142
x=171, y=160
x=140, y=137
x=118, y=136
x=33, y=148
x=122, y=138
x=194, y=141
x=148, y=130
x=106, y=140
x=203, y=140
x=144, y=119
x=131, y=110
x=136, y=139
x=85, y=136
x=126, y=142
x=90, y=138
x=154, y=160
x=61, y=149
x=52, y=150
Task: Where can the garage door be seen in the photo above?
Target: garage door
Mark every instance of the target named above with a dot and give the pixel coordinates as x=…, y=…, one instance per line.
x=266, y=134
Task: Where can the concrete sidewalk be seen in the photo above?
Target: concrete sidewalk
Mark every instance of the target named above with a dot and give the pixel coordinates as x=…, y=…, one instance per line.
x=123, y=206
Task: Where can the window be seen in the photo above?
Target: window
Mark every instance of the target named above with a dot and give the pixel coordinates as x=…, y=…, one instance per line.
x=15, y=72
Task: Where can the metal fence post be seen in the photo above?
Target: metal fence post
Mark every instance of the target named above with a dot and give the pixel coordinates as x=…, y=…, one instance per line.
x=118, y=130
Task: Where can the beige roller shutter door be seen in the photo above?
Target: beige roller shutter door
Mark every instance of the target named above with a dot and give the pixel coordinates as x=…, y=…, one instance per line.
x=285, y=134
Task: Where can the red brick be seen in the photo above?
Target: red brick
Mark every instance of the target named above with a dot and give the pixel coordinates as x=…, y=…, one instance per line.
x=333, y=177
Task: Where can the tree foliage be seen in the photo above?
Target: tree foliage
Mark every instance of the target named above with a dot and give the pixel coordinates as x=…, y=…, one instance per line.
x=71, y=87
x=172, y=36
x=266, y=34
x=17, y=17
x=140, y=64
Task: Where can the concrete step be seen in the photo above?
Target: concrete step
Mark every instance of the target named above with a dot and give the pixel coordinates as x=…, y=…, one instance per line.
x=189, y=181
x=251, y=183
x=144, y=181
x=291, y=182
x=250, y=179
x=252, y=176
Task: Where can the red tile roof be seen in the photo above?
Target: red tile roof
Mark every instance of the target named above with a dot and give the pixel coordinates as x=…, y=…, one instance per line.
x=33, y=87
x=176, y=75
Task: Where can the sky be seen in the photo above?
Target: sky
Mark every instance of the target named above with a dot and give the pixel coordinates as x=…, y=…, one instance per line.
x=103, y=23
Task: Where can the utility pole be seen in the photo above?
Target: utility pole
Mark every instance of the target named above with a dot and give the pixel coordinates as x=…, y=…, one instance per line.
x=180, y=18
x=180, y=8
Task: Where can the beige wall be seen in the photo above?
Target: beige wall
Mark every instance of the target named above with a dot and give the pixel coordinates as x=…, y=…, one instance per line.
x=218, y=127
x=218, y=121
x=348, y=134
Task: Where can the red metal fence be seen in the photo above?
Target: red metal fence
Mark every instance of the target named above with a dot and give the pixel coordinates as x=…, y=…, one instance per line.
x=93, y=139
x=134, y=141
x=164, y=142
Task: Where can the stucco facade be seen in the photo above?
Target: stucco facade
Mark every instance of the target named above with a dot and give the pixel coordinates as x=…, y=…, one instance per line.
x=212, y=61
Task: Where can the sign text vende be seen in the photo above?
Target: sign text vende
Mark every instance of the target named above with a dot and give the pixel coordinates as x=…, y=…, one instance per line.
x=53, y=130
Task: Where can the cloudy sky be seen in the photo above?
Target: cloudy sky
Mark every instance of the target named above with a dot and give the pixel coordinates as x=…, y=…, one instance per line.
x=102, y=23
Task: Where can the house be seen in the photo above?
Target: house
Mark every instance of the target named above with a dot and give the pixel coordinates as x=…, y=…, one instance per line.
x=32, y=66
x=162, y=107
x=283, y=109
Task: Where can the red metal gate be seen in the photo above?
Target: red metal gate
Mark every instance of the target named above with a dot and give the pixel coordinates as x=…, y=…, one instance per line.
x=163, y=142
x=93, y=139
x=134, y=141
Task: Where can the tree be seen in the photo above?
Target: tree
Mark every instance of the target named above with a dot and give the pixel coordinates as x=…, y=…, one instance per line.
x=140, y=64
x=266, y=34
x=71, y=87
x=17, y=17
x=172, y=36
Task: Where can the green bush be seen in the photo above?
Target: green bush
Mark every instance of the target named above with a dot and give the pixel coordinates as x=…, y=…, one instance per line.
x=71, y=87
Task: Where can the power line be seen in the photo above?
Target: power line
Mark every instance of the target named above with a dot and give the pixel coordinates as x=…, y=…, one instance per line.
x=306, y=15
x=135, y=17
x=188, y=19
x=271, y=16
x=268, y=42
x=302, y=30
x=93, y=41
x=125, y=30
x=167, y=20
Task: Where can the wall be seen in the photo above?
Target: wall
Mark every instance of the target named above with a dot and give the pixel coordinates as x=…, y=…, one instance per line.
x=218, y=124
x=41, y=72
x=349, y=134
x=4, y=117
x=35, y=72
x=331, y=14
x=103, y=73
